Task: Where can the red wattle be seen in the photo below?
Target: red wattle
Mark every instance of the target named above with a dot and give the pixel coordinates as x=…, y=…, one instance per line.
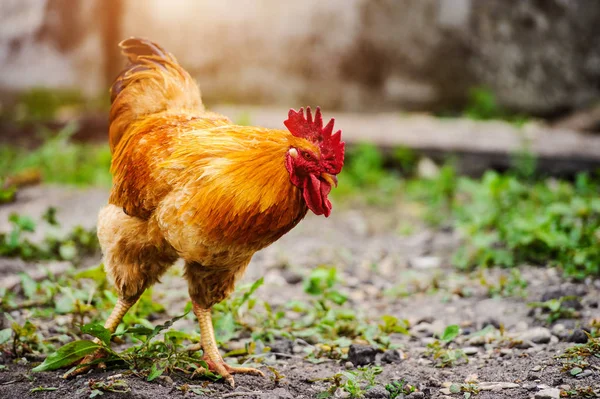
x=315, y=194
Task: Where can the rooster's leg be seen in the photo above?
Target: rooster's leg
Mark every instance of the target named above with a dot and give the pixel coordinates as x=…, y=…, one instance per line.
x=122, y=306
x=211, y=351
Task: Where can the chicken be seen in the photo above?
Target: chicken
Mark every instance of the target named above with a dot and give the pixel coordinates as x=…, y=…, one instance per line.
x=188, y=183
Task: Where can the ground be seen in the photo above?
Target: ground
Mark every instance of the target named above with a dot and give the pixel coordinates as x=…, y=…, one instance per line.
x=388, y=263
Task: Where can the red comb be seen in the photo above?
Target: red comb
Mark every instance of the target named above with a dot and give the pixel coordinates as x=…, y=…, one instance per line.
x=332, y=148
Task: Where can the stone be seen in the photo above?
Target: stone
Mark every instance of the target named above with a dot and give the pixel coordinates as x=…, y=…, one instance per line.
x=496, y=386
x=585, y=373
x=525, y=344
x=279, y=393
x=377, y=392
x=537, y=335
x=530, y=386
x=470, y=350
x=291, y=277
x=391, y=356
x=284, y=346
x=425, y=262
x=491, y=322
x=550, y=393
x=558, y=329
x=578, y=336
x=361, y=355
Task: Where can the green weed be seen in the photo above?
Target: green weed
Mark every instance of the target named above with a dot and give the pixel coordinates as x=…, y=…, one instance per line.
x=508, y=222
x=364, y=175
x=354, y=383
x=441, y=351
x=577, y=358
x=506, y=285
x=398, y=388
x=77, y=244
x=556, y=309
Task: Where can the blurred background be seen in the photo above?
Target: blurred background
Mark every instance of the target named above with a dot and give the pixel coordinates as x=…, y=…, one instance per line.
x=473, y=141
x=538, y=57
x=522, y=62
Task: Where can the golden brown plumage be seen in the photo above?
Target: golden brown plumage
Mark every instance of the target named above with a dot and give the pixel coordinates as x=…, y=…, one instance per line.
x=190, y=184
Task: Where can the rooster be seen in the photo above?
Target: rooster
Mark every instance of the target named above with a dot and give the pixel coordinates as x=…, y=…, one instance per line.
x=189, y=183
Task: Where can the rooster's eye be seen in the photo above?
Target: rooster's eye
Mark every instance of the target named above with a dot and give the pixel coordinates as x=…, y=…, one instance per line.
x=306, y=155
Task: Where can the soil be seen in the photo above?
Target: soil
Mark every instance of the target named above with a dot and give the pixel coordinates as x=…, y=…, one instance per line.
x=390, y=264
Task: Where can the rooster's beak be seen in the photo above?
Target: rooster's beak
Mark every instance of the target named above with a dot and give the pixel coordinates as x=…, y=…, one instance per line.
x=331, y=179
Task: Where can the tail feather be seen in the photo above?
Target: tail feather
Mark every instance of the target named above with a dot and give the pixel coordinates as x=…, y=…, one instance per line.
x=152, y=82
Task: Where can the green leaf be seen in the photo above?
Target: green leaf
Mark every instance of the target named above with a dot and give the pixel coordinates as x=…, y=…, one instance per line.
x=138, y=329
x=450, y=333
x=42, y=389
x=5, y=335
x=29, y=285
x=155, y=372
x=67, y=355
x=225, y=327
x=576, y=370
x=254, y=287
x=455, y=388
x=50, y=216
x=68, y=250
x=167, y=324
x=64, y=304
x=98, y=331
x=24, y=222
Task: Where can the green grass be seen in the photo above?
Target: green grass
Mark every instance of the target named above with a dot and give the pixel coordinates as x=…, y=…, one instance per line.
x=505, y=220
x=579, y=357
x=41, y=104
x=59, y=160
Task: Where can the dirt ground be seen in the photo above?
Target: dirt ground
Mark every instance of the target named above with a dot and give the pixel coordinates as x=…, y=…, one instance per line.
x=389, y=264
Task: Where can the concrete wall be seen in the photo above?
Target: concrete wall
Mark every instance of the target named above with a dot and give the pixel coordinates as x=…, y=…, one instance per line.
x=537, y=56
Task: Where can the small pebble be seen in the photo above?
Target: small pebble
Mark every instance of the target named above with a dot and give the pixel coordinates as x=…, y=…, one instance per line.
x=391, y=356
x=551, y=393
x=434, y=382
x=558, y=329
x=348, y=365
x=585, y=373
x=525, y=344
x=530, y=386
x=470, y=350
x=506, y=352
x=361, y=355
x=578, y=336
x=377, y=392
x=537, y=335
x=290, y=277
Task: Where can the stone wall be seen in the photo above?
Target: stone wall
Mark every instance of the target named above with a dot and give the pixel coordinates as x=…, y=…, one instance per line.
x=538, y=56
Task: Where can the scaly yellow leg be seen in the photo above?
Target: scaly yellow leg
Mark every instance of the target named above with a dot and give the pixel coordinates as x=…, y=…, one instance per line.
x=111, y=324
x=211, y=352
